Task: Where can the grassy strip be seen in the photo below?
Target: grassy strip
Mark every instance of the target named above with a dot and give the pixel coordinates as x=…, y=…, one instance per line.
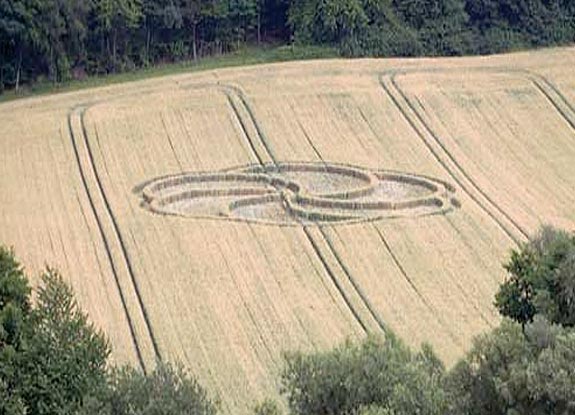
x=245, y=56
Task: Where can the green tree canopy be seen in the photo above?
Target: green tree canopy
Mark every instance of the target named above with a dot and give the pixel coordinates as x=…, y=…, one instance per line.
x=168, y=390
x=60, y=39
x=509, y=372
x=14, y=309
x=541, y=280
x=381, y=372
x=14, y=287
x=61, y=360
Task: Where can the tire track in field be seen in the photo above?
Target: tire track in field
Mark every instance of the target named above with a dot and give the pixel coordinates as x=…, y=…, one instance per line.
x=427, y=304
x=419, y=294
x=400, y=267
x=394, y=257
x=355, y=284
x=334, y=279
x=119, y=237
x=116, y=239
x=448, y=161
x=305, y=134
x=232, y=91
x=310, y=238
x=541, y=83
x=171, y=142
x=240, y=120
x=548, y=89
x=104, y=240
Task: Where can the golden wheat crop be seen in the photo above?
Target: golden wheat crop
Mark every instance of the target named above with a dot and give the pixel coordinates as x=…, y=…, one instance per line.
x=221, y=218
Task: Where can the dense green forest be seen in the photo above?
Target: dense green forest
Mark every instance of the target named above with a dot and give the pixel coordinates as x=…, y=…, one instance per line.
x=58, y=40
x=53, y=361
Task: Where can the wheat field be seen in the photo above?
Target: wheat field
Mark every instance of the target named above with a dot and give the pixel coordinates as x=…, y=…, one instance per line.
x=222, y=218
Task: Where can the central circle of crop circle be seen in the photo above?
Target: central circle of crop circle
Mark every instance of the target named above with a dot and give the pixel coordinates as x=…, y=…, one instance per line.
x=298, y=193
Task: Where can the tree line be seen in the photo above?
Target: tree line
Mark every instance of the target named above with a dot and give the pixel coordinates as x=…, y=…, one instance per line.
x=432, y=27
x=61, y=39
x=54, y=361
x=57, y=40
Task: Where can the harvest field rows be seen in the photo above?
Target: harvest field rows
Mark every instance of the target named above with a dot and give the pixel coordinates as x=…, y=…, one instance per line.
x=222, y=218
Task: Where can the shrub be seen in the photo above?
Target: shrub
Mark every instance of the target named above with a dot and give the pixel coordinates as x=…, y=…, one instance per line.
x=267, y=407
x=507, y=372
x=65, y=358
x=541, y=280
x=168, y=390
x=376, y=372
x=13, y=283
x=51, y=358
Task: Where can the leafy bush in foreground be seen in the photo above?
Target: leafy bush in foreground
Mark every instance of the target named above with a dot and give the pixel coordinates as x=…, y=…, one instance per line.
x=541, y=280
x=267, y=407
x=382, y=372
x=167, y=390
x=508, y=372
x=51, y=358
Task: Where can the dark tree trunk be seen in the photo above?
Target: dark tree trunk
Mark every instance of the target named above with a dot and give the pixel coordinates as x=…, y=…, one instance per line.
x=52, y=65
x=114, y=36
x=259, y=26
x=148, y=42
x=195, y=40
x=19, y=68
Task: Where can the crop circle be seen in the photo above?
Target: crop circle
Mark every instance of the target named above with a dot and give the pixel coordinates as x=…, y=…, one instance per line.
x=298, y=194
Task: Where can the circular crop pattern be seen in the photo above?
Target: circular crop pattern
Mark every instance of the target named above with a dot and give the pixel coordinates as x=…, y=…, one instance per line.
x=298, y=193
